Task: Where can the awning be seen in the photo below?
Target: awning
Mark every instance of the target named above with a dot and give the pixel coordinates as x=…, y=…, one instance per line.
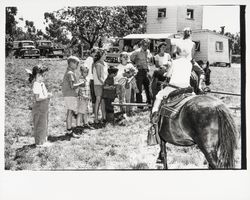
x=150, y=36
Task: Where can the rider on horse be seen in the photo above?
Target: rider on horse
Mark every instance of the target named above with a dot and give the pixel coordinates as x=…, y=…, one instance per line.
x=180, y=71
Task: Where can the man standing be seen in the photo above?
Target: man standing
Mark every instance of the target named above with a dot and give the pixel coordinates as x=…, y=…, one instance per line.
x=140, y=58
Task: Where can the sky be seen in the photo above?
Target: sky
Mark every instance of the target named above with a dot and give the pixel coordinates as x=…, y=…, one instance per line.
x=213, y=16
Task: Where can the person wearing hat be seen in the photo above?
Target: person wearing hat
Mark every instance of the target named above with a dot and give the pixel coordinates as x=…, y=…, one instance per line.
x=180, y=71
x=140, y=58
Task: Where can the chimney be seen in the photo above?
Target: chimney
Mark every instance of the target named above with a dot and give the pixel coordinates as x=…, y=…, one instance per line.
x=222, y=30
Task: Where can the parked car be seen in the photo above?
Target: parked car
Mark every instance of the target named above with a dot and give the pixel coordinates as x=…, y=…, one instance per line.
x=48, y=50
x=25, y=49
x=112, y=57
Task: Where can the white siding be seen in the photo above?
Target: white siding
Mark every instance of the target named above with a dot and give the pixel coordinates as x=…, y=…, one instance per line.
x=161, y=25
x=213, y=55
x=201, y=37
x=183, y=22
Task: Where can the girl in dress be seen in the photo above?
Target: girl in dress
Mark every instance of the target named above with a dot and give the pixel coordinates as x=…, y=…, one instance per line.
x=40, y=108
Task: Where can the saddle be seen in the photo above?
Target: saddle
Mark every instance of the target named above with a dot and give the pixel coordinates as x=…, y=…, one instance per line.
x=175, y=100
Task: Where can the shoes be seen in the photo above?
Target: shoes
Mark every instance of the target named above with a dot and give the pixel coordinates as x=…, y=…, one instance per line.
x=88, y=126
x=71, y=133
x=46, y=144
x=154, y=118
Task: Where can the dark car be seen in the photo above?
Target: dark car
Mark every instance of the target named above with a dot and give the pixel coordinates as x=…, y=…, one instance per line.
x=112, y=57
x=25, y=49
x=48, y=50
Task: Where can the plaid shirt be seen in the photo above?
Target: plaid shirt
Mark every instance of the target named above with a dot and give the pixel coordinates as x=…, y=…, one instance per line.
x=83, y=91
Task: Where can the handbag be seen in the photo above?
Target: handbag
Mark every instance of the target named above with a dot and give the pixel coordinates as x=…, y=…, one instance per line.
x=153, y=136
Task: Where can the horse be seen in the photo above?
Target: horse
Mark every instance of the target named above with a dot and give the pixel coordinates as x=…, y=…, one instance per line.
x=205, y=121
x=202, y=120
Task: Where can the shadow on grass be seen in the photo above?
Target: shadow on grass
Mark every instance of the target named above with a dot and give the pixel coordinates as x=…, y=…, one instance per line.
x=59, y=138
x=26, y=148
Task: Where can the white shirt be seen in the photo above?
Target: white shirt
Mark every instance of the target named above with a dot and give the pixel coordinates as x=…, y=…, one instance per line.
x=181, y=66
x=120, y=72
x=88, y=63
x=163, y=60
x=40, y=89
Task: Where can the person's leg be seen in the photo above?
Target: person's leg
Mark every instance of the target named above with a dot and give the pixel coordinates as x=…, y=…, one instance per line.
x=146, y=84
x=139, y=79
x=97, y=105
x=93, y=96
x=128, y=99
x=78, y=119
x=103, y=110
x=162, y=93
x=69, y=119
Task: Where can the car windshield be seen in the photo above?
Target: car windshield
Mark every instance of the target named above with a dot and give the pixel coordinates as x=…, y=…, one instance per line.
x=28, y=43
x=46, y=44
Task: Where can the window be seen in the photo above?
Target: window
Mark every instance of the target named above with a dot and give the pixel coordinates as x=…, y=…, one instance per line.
x=190, y=14
x=219, y=46
x=197, y=45
x=161, y=12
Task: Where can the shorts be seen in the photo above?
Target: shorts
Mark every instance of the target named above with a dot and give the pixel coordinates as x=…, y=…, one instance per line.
x=98, y=90
x=82, y=106
x=92, y=91
x=71, y=103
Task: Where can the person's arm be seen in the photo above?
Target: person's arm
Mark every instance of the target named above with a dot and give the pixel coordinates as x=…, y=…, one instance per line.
x=193, y=50
x=157, y=65
x=133, y=56
x=200, y=72
x=37, y=90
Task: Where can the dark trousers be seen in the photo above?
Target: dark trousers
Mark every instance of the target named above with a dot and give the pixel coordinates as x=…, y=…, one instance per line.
x=40, y=113
x=142, y=79
x=109, y=109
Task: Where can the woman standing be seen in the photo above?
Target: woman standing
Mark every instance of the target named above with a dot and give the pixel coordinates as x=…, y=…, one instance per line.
x=180, y=70
x=100, y=73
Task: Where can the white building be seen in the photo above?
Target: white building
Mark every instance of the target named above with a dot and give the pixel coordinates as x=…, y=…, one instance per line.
x=210, y=46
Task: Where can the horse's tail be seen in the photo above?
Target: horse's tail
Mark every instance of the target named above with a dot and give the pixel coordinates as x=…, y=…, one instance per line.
x=227, y=138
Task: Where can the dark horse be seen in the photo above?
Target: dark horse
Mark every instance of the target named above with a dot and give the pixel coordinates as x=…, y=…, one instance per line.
x=205, y=121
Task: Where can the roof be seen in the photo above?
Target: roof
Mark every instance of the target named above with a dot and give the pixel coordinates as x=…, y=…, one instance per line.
x=209, y=31
x=149, y=36
x=43, y=41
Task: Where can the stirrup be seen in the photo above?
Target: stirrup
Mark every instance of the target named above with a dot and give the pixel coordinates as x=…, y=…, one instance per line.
x=154, y=118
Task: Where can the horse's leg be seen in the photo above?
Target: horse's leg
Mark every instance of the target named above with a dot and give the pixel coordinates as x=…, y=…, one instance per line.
x=164, y=154
x=208, y=142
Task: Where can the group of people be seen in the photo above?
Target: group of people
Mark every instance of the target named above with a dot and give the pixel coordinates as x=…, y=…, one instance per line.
x=101, y=84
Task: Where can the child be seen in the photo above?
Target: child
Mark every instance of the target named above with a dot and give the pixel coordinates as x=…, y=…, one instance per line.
x=125, y=77
x=130, y=84
x=40, y=108
x=69, y=87
x=83, y=98
x=109, y=93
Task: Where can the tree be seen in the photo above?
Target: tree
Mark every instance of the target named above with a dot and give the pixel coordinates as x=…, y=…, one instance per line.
x=56, y=29
x=10, y=24
x=234, y=42
x=90, y=24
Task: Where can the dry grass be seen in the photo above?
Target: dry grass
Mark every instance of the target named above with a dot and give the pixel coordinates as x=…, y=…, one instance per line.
x=112, y=147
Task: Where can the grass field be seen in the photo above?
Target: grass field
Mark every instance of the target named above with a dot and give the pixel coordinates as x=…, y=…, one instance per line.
x=112, y=147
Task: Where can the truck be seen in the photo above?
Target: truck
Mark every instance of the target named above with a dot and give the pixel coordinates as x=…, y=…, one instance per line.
x=48, y=50
x=25, y=49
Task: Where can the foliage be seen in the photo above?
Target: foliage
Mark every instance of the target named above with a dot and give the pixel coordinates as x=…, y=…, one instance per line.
x=90, y=24
x=234, y=42
x=10, y=24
